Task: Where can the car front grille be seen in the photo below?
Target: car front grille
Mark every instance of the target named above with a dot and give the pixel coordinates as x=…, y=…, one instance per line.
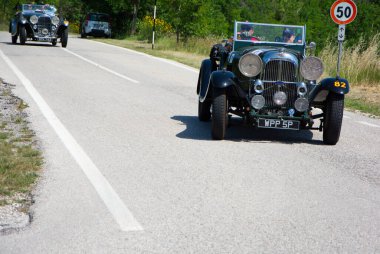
x=270, y=88
x=44, y=23
x=280, y=75
x=280, y=70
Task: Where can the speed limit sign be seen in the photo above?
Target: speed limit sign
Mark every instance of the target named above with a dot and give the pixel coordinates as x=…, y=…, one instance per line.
x=343, y=12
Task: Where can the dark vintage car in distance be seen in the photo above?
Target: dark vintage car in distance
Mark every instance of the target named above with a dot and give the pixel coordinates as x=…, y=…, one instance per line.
x=97, y=25
x=265, y=77
x=38, y=23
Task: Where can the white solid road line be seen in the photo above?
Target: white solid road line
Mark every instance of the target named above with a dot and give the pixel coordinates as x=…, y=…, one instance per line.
x=102, y=67
x=110, y=198
x=368, y=124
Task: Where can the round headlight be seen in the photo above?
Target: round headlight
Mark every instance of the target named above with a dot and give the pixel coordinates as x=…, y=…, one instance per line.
x=280, y=98
x=250, y=65
x=258, y=101
x=55, y=20
x=33, y=19
x=301, y=104
x=311, y=68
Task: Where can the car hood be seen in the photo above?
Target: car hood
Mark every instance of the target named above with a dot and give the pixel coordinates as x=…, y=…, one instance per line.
x=268, y=54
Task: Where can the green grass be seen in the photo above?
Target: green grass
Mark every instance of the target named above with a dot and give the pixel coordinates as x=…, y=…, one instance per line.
x=363, y=106
x=19, y=167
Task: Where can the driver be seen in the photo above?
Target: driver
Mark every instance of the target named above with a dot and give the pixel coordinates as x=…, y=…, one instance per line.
x=247, y=32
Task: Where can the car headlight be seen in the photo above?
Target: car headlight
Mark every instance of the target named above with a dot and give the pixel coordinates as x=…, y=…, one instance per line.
x=33, y=19
x=279, y=98
x=55, y=20
x=250, y=65
x=311, y=68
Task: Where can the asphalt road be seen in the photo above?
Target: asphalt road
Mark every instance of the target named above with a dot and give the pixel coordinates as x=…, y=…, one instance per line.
x=130, y=169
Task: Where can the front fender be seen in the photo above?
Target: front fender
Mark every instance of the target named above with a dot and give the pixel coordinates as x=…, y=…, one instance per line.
x=222, y=79
x=204, y=79
x=327, y=85
x=62, y=28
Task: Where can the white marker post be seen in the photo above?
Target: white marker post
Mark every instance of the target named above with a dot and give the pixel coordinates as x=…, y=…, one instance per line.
x=342, y=12
x=154, y=22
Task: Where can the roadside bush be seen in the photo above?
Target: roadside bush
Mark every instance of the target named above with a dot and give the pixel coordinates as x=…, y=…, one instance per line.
x=145, y=28
x=74, y=27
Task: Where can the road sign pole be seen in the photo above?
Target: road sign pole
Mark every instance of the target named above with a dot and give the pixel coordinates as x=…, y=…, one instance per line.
x=339, y=57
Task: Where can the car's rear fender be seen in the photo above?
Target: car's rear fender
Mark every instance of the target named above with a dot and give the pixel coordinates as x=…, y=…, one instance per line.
x=327, y=85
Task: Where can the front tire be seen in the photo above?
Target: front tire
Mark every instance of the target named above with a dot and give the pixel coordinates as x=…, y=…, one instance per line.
x=54, y=42
x=219, y=114
x=204, y=113
x=65, y=38
x=22, y=35
x=333, y=118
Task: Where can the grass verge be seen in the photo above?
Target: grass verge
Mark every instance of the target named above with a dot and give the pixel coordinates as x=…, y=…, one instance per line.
x=20, y=160
x=361, y=67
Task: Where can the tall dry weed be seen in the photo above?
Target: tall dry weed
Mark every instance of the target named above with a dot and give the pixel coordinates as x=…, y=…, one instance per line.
x=360, y=65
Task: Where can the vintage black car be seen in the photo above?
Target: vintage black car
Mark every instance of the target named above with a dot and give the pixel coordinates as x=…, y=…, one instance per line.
x=38, y=23
x=265, y=77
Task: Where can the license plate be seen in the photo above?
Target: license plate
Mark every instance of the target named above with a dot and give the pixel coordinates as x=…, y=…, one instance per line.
x=278, y=124
x=44, y=39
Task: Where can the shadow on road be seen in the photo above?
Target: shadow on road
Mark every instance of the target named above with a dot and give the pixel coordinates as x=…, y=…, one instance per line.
x=32, y=43
x=239, y=132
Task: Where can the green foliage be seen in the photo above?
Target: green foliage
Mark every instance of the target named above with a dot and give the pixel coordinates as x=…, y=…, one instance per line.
x=202, y=18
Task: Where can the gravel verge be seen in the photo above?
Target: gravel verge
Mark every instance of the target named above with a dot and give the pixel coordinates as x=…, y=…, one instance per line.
x=15, y=211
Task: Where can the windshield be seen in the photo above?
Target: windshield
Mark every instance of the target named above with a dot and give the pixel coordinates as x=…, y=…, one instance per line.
x=258, y=33
x=98, y=17
x=39, y=7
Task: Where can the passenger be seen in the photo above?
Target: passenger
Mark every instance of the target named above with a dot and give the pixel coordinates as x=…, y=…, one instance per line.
x=288, y=36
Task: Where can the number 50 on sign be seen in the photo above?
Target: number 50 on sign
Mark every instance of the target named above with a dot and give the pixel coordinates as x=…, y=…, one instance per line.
x=343, y=12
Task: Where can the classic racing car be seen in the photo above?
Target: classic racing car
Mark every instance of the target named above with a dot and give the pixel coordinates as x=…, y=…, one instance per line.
x=265, y=77
x=38, y=23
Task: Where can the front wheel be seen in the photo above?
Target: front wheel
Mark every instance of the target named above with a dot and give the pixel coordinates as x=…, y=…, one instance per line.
x=219, y=114
x=65, y=38
x=333, y=118
x=204, y=113
x=22, y=35
x=54, y=42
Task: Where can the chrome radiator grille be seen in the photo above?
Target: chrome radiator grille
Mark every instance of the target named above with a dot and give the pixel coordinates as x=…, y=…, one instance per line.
x=279, y=70
x=44, y=22
x=285, y=73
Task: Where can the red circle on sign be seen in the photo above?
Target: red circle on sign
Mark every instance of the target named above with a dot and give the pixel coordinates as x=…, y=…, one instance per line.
x=345, y=22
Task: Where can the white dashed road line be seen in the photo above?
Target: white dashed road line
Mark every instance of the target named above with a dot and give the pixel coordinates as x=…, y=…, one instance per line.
x=102, y=67
x=183, y=66
x=108, y=195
